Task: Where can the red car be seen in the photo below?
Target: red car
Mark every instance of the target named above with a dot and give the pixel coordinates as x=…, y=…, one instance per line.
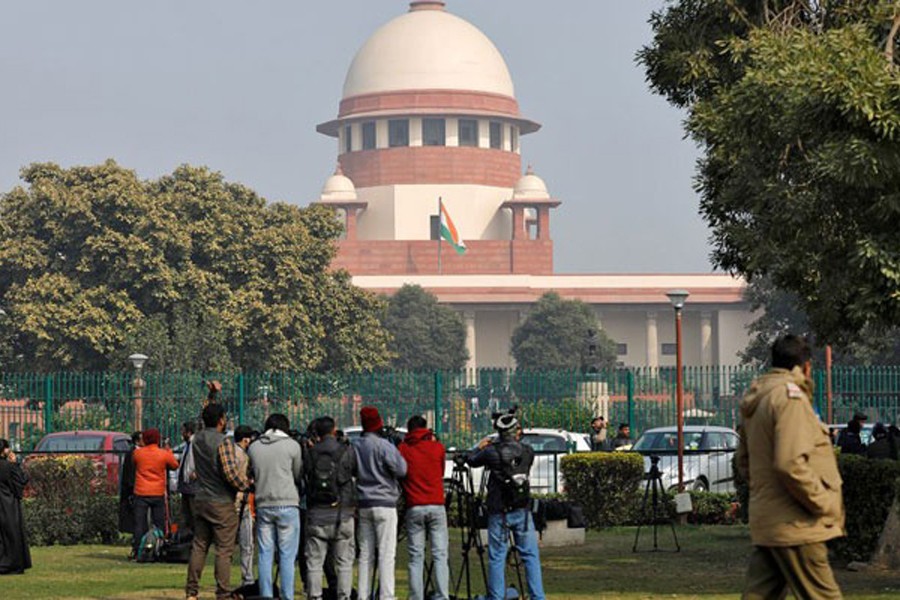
x=107, y=448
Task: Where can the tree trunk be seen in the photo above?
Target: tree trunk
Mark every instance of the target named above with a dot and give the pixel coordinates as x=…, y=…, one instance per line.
x=887, y=553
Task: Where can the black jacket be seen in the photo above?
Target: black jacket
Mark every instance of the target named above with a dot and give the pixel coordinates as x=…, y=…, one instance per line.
x=850, y=442
x=14, y=554
x=489, y=458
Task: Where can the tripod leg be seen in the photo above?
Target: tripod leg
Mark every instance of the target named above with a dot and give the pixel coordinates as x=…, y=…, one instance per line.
x=637, y=534
x=517, y=563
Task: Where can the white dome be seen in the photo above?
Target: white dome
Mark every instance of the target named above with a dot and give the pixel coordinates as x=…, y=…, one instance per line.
x=428, y=49
x=530, y=187
x=338, y=188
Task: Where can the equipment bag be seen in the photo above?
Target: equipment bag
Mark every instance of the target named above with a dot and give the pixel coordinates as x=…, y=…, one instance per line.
x=151, y=545
x=177, y=547
x=515, y=486
x=323, y=486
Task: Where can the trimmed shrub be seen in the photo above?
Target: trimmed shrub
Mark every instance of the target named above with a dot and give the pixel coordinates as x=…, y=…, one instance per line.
x=713, y=509
x=869, y=489
x=605, y=484
x=67, y=503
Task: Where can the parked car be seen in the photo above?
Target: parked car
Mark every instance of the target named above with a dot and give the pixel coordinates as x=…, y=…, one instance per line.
x=708, y=453
x=549, y=445
x=106, y=448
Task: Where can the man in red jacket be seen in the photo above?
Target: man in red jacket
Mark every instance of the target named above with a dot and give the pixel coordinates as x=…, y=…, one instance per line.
x=423, y=488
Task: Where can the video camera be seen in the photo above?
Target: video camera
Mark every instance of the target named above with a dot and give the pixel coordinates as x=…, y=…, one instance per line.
x=391, y=434
x=459, y=458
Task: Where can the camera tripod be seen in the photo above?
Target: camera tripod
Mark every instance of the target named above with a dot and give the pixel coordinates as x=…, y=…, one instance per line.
x=658, y=510
x=461, y=492
x=470, y=511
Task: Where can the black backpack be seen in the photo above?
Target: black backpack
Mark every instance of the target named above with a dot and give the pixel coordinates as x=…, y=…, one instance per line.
x=323, y=486
x=515, y=487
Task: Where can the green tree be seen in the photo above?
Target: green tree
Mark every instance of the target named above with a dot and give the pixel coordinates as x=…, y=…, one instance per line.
x=195, y=271
x=426, y=335
x=556, y=336
x=796, y=107
x=779, y=313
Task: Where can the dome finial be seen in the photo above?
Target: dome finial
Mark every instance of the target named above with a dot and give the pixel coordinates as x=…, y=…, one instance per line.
x=529, y=170
x=426, y=5
x=338, y=170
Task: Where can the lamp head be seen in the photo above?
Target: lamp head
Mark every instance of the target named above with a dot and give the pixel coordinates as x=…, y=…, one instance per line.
x=677, y=298
x=138, y=360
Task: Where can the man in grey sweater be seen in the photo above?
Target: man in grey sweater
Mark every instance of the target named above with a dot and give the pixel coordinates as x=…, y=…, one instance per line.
x=277, y=464
x=379, y=466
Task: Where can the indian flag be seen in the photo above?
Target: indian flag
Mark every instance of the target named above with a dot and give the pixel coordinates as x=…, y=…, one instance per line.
x=449, y=233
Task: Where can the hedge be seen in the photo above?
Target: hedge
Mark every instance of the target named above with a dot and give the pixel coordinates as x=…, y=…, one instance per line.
x=869, y=490
x=605, y=484
x=67, y=503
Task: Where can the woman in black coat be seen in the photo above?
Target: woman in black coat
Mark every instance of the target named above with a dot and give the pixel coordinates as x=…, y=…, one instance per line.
x=14, y=554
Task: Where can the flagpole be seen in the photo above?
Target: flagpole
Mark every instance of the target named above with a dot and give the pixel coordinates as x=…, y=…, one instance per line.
x=440, y=222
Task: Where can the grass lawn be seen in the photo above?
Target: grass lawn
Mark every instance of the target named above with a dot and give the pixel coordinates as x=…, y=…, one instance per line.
x=710, y=565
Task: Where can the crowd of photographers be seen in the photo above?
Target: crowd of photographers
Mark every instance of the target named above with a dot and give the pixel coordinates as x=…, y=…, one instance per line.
x=315, y=501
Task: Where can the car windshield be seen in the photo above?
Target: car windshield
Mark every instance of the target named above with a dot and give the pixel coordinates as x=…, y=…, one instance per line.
x=666, y=441
x=544, y=443
x=71, y=443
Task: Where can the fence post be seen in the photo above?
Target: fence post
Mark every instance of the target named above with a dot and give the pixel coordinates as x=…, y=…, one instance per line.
x=438, y=403
x=241, y=397
x=48, y=404
x=629, y=388
x=819, y=392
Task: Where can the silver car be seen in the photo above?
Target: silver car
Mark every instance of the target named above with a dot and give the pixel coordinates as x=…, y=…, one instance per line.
x=708, y=453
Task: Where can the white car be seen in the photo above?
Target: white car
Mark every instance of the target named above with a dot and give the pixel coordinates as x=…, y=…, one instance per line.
x=549, y=445
x=708, y=453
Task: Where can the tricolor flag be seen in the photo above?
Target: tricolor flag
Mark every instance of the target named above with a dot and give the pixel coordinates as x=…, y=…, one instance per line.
x=449, y=233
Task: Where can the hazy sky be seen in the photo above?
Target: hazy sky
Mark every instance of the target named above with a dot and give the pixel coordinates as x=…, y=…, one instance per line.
x=239, y=86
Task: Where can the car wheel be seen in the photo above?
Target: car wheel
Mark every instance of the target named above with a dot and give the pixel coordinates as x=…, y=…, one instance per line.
x=700, y=486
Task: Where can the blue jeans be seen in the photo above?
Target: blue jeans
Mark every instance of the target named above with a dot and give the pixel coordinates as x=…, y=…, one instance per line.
x=520, y=524
x=433, y=520
x=281, y=525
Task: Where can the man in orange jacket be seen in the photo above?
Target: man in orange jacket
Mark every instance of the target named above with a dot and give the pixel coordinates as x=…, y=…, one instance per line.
x=150, y=465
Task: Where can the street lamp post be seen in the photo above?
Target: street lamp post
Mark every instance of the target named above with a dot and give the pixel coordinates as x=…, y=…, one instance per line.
x=138, y=360
x=677, y=298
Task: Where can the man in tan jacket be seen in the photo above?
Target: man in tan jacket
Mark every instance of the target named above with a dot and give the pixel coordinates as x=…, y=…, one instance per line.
x=795, y=488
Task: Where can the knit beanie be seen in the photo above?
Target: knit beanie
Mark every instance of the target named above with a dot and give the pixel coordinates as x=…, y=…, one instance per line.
x=371, y=420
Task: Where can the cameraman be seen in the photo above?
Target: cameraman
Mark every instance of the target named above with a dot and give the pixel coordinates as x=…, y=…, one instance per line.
x=508, y=503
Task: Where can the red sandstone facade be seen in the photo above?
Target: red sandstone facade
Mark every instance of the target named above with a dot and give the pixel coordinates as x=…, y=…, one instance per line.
x=420, y=257
x=431, y=164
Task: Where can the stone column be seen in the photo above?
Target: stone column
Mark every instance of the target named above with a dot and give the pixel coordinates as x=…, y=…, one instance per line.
x=518, y=223
x=469, y=317
x=350, y=223
x=706, y=353
x=652, y=341
x=543, y=214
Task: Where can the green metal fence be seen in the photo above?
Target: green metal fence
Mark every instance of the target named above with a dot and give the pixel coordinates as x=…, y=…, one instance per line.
x=458, y=404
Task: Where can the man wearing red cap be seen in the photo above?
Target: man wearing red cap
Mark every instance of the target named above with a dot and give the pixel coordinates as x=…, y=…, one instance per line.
x=150, y=464
x=380, y=465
